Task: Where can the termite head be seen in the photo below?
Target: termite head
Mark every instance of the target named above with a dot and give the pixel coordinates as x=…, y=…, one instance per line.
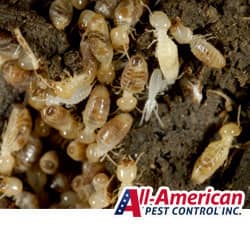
x=106, y=8
x=61, y=12
x=10, y=186
x=159, y=20
x=50, y=112
x=138, y=61
x=79, y=4
x=84, y=19
x=7, y=163
x=92, y=153
x=127, y=102
x=126, y=170
x=100, y=181
x=230, y=129
x=120, y=38
x=181, y=33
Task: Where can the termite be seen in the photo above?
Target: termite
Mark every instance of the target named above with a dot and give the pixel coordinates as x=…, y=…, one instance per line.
x=9, y=50
x=82, y=184
x=29, y=154
x=156, y=86
x=126, y=15
x=100, y=198
x=109, y=136
x=61, y=13
x=133, y=81
x=16, y=76
x=79, y=4
x=41, y=128
x=97, y=33
x=192, y=86
x=15, y=137
x=36, y=179
x=77, y=150
x=27, y=59
x=215, y=153
x=126, y=171
x=70, y=90
x=92, y=22
x=36, y=96
x=82, y=189
x=106, y=7
x=166, y=50
x=61, y=119
x=68, y=199
x=10, y=186
x=202, y=49
x=26, y=200
x=49, y=162
x=89, y=170
x=103, y=52
x=95, y=113
x=60, y=183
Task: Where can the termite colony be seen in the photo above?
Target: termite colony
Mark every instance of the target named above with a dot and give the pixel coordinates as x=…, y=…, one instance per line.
x=49, y=124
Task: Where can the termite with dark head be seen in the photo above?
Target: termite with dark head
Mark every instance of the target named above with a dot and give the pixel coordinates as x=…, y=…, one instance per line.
x=202, y=49
x=95, y=113
x=133, y=81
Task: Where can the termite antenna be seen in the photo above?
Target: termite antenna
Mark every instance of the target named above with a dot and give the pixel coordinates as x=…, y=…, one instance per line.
x=157, y=2
x=157, y=116
x=238, y=115
x=139, y=157
x=146, y=6
x=228, y=100
x=109, y=158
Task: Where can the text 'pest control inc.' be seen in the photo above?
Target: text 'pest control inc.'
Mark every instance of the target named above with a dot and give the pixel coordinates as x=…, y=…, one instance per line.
x=140, y=202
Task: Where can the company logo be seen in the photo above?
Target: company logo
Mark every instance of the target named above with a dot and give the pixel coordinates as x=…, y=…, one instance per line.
x=140, y=201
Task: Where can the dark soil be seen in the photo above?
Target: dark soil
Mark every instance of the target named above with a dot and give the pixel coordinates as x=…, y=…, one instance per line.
x=169, y=152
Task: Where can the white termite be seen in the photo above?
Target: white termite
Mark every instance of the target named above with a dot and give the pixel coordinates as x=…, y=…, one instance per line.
x=166, y=50
x=156, y=86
